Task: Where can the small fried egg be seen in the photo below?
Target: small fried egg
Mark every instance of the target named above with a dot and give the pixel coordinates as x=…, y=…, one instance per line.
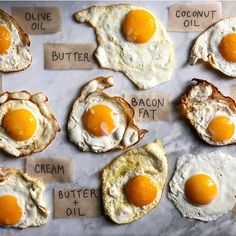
x=13, y=41
x=26, y=123
x=211, y=114
x=133, y=183
x=131, y=40
x=217, y=45
x=21, y=201
x=203, y=185
x=99, y=123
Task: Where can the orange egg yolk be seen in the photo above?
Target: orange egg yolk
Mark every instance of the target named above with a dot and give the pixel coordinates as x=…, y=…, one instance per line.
x=19, y=124
x=99, y=120
x=220, y=128
x=10, y=211
x=140, y=190
x=228, y=47
x=139, y=26
x=200, y=189
x=5, y=39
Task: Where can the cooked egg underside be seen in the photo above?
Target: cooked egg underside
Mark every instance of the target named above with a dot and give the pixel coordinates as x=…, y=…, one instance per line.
x=28, y=192
x=17, y=57
x=147, y=64
x=201, y=103
x=206, y=46
x=47, y=125
x=217, y=165
x=149, y=160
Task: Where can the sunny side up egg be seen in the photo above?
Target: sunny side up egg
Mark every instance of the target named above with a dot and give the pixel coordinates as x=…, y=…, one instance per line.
x=131, y=40
x=21, y=201
x=203, y=186
x=100, y=123
x=217, y=45
x=133, y=183
x=211, y=114
x=26, y=123
x=13, y=41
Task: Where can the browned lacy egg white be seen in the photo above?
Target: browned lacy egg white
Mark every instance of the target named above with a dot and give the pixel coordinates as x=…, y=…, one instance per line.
x=210, y=113
x=13, y=41
x=100, y=123
x=27, y=125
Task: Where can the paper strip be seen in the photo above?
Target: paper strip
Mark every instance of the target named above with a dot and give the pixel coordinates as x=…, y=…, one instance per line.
x=77, y=203
x=193, y=16
x=50, y=169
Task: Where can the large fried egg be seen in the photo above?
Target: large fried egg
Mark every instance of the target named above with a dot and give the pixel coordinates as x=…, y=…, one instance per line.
x=99, y=122
x=203, y=186
x=211, y=114
x=26, y=123
x=133, y=183
x=13, y=41
x=21, y=201
x=217, y=45
x=131, y=40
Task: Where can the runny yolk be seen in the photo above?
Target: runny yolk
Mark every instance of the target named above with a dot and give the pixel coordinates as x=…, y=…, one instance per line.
x=139, y=26
x=19, y=124
x=5, y=39
x=99, y=120
x=140, y=190
x=220, y=128
x=228, y=47
x=200, y=189
x=10, y=211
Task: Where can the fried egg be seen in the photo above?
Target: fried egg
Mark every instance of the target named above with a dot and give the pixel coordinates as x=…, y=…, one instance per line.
x=131, y=40
x=217, y=45
x=212, y=115
x=133, y=183
x=13, y=41
x=26, y=123
x=99, y=123
x=203, y=185
x=21, y=201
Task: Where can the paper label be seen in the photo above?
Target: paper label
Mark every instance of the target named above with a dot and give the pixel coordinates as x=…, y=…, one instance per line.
x=77, y=203
x=51, y=170
x=1, y=86
x=38, y=20
x=193, y=16
x=233, y=91
x=149, y=107
x=60, y=56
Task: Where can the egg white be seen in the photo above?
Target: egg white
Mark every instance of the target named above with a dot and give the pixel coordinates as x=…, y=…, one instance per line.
x=149, y=160
x=125, y=133
x=28, y=195
x=46, y=125
x=205, y=108
x=206, y=46
x=220, y=167
x=147, y=64
x=16, y=57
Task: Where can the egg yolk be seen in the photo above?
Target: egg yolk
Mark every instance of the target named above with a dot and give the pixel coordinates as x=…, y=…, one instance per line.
x=99, y=121
x=228, y=47
x=19, y=124
x=10, y=211
x=5, y=39
x=200, y=189
x=139, y=26
x=220, y=128
x=140, y=190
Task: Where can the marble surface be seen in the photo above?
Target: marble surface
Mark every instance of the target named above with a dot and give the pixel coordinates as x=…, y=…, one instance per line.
x=62, y=87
